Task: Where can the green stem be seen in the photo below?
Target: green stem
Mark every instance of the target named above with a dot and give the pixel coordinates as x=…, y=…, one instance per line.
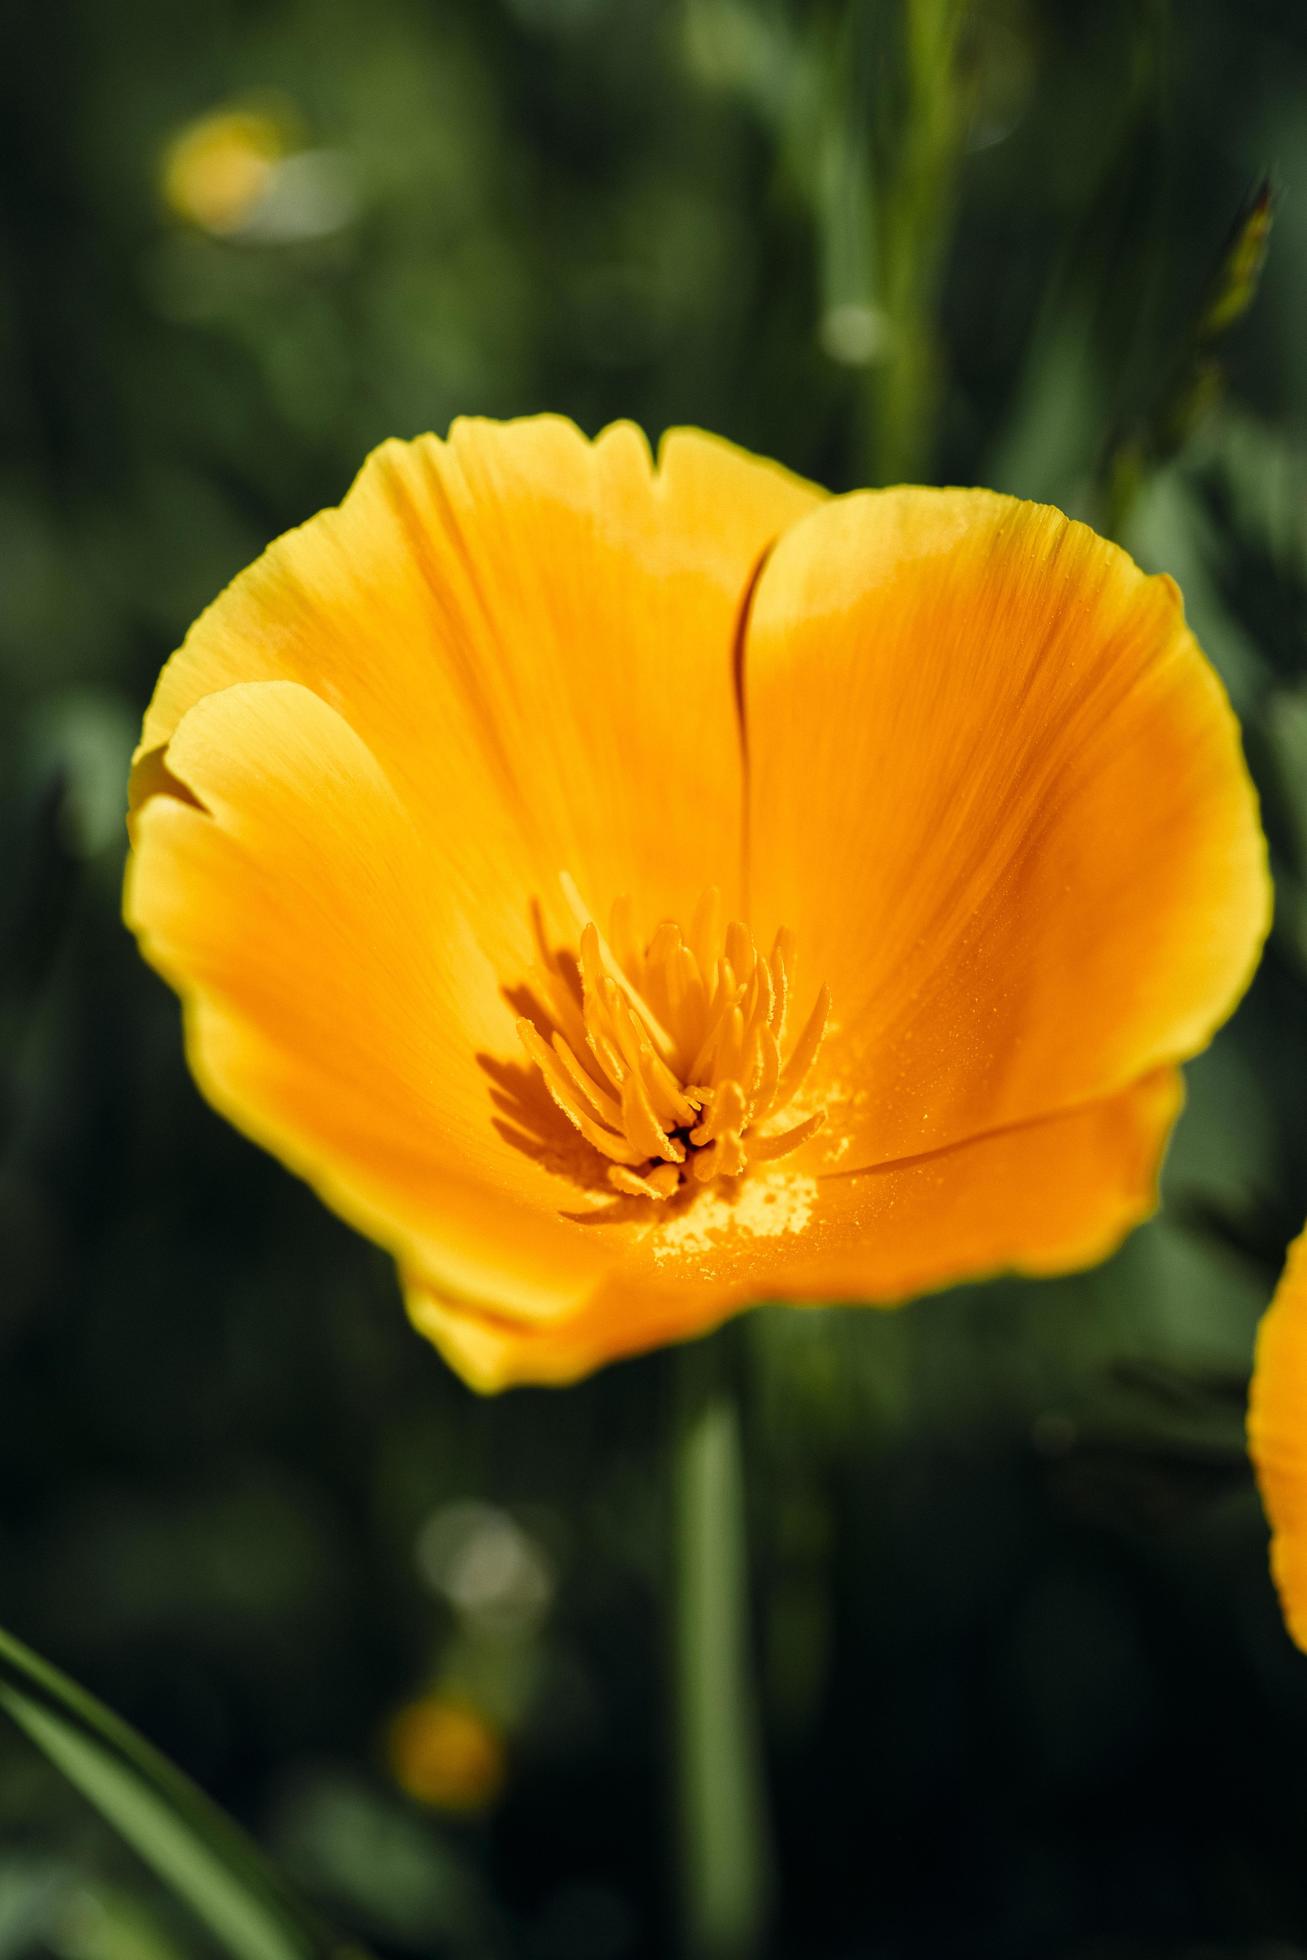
x=725, y=1864
x=915, y=221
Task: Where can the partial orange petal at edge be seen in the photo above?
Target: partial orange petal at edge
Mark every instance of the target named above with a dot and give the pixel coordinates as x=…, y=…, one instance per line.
x=1277, y=1435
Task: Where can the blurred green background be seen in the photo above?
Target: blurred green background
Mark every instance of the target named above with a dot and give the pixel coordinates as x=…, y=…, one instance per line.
x=1026, y=1689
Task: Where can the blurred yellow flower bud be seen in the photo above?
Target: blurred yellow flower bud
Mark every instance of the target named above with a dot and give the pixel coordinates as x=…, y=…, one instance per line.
x=216, y=170
x=444, y=1753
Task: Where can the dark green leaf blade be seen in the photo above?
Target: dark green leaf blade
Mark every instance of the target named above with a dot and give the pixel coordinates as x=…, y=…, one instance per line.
x=197, y=1850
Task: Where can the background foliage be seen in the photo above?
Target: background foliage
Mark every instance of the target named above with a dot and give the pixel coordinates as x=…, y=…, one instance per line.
x=1026, y=1688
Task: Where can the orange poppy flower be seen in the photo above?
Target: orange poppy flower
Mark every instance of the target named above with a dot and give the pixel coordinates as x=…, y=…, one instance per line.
x=629, y=891
x=1277, y=1435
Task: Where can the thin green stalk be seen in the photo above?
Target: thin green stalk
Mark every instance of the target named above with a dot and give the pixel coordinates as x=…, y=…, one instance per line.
x=725, y=1862
x=914, y=221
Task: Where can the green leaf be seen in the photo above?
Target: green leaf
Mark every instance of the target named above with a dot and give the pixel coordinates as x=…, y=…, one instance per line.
x=199, y=1852
x=1195, y=382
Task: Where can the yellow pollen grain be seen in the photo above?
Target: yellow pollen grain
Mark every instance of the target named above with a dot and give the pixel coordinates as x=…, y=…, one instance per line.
x=765, y=1207
x=675, y=1061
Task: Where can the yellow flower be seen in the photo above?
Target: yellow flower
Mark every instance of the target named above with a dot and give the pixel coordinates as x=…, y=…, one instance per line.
x=1277, y=1435
x=217, y=169
x=442, y=1752
x=631, y=891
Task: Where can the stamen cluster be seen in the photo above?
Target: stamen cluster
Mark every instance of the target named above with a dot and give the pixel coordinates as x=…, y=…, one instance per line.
x=668, y=1058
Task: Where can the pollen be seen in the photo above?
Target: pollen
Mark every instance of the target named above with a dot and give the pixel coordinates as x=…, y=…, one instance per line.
x=675, y=1060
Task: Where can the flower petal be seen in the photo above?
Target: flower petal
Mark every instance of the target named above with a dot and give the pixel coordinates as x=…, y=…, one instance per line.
x=338, y=1005
x=998, y=793
x=534, y=635
x=1277, y=1435
x=1040, y=1198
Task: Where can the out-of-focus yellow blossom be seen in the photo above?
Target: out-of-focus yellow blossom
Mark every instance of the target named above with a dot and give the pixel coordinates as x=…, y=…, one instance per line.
x=444, y=1753
x=217, y=169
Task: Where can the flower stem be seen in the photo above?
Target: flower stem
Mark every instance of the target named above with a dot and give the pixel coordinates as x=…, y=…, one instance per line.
x=915, y=220
x=725, y=1865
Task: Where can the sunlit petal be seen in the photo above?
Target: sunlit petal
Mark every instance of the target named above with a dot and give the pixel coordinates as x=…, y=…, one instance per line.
x=535, y=636
x=998, y=793
x=337, y=1002
x=1277, y=1435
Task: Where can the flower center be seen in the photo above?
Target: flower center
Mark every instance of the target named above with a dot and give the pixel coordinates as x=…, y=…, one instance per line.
x=670, y=1059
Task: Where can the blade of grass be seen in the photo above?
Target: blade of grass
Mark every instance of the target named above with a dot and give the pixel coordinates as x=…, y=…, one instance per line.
x=197, y=1850
x=1189, y=389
